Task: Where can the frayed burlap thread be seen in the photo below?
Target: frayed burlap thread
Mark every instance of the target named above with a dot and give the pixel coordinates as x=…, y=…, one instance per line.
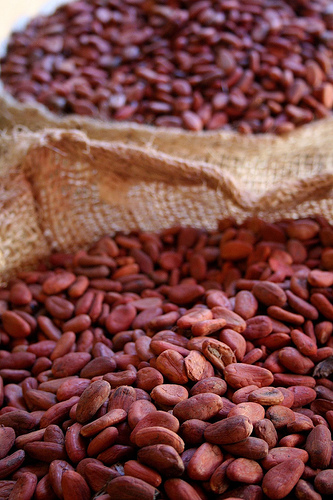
x=303, y=152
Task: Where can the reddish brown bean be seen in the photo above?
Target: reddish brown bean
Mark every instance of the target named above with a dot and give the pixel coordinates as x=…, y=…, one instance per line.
x=92, y=392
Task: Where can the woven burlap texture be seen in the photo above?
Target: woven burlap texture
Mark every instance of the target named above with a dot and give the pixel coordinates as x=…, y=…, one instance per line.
x=60, y=190
x=303, y=153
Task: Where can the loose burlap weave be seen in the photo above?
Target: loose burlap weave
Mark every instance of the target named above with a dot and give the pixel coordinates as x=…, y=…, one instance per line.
x=60, y=190
x=217, y=147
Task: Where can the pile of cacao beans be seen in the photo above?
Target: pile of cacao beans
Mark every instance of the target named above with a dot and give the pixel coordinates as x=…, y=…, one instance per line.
x=189, y=364
x=256, y=66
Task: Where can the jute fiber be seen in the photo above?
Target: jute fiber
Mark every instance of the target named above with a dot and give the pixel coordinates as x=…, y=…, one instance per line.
x=61, y=190
x=307, y=146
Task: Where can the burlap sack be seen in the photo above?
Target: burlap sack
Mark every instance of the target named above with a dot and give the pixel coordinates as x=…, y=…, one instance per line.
x=60, y=190
x=214, y=147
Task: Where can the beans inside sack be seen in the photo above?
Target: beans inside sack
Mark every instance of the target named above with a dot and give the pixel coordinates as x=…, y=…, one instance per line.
x=189, y=364
x=251, y=65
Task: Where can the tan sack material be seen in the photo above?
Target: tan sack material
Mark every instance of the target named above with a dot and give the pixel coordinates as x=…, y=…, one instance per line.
x=216, y=147
x=60, y=190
